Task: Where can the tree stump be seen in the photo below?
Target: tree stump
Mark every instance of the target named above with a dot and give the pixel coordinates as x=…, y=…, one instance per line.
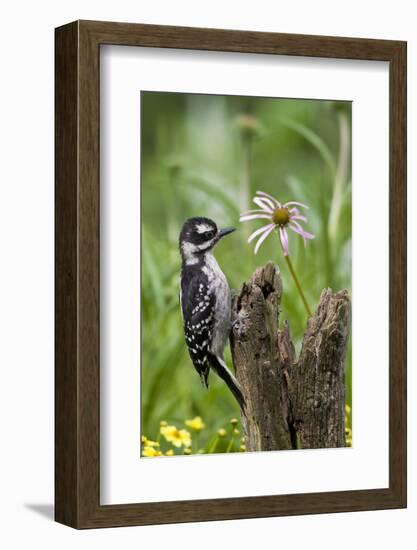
x=290, y=403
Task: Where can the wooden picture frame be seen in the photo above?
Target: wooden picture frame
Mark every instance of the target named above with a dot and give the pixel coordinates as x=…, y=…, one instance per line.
x=77, y=374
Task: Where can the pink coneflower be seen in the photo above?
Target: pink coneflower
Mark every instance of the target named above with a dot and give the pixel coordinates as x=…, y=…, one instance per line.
x=281, y=217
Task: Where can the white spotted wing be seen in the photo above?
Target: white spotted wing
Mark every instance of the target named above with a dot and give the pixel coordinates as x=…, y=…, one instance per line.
x=197, y=304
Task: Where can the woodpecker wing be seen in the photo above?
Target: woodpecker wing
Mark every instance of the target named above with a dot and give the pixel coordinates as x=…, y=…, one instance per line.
x=197, y=304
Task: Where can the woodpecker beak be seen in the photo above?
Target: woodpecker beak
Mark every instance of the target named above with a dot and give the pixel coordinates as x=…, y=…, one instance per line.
x=223, y=232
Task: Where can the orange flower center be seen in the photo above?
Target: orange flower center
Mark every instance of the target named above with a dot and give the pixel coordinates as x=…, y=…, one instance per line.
x=281, y=216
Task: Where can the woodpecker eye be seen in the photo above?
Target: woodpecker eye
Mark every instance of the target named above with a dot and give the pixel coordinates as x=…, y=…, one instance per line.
x=209, y=235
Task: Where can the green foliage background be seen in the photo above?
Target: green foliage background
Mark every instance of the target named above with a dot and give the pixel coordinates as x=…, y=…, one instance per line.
x=205, y=155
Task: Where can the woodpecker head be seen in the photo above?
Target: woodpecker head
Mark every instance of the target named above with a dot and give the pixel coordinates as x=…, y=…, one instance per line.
x=198, y=236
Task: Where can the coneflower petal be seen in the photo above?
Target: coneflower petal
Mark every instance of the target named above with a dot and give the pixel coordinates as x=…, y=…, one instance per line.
x=255, y=217
x=257, y=211
x=299, y=226
x=298, y=229
x=262, y=238
x=298, y=217
x=296, y=203
x=284, y=240
x=301, y=233
x=273, y=199
x=259, y=231
x=265, y=204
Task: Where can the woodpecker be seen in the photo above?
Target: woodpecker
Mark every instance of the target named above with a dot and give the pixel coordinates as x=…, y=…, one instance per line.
x=205, y=300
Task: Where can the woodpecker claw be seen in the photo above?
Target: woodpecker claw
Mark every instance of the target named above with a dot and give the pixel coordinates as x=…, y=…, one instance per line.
x=239, y=322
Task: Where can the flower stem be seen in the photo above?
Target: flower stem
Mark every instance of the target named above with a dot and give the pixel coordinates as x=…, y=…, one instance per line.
x=246, y=172
x=213, y=446
x=297, y=284
x=229, y=447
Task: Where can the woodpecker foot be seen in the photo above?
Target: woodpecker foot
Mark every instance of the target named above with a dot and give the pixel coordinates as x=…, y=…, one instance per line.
x=238, y=324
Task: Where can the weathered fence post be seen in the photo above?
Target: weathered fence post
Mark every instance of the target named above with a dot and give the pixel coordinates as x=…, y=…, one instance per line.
x=289, y=402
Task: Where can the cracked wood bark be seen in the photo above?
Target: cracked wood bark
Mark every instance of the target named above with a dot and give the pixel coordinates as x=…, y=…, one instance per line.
x=289, y=402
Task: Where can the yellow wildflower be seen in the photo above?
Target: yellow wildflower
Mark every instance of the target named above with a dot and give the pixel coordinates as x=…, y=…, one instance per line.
x=150, y=451
x=175, y=436
x=243, y=448
x=234, y=421
x=196, y=423
x=148, y=442
x=170, y=452
x=348, y=433
x=221, y=432
x=187, y=451
x=163, y=423
x=348, y=410
x=236, y=432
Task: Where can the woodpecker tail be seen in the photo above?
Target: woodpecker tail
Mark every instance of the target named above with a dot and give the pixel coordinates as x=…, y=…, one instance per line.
x=221, y=369
x=204, y=376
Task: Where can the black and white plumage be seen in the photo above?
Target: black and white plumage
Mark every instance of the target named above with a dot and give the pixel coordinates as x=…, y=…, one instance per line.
x=205, y=301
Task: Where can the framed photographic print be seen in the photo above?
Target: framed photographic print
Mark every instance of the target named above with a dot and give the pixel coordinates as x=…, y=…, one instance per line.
x=230, y=274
